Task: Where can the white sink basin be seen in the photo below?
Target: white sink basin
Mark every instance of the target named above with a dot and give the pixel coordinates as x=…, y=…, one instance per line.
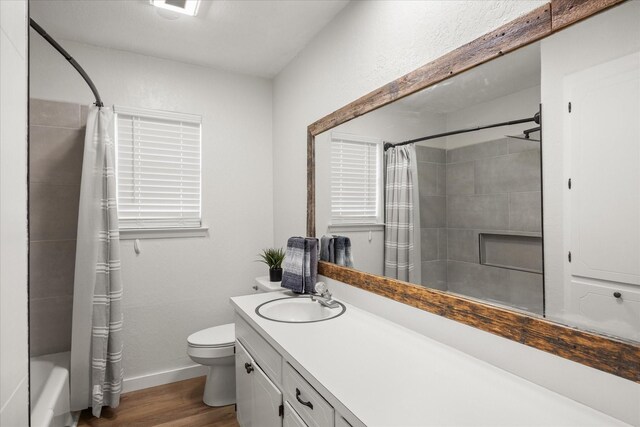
x=300, y=309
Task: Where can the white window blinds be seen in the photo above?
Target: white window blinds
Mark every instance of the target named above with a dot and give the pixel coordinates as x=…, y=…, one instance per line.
x=158, y=169
x=356, y=179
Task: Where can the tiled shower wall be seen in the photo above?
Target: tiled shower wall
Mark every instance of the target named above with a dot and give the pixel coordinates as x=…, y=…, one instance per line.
x=56, y=141
x=433, y=220
x=491, y=187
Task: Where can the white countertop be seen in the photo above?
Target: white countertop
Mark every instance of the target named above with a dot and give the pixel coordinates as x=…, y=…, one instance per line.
x=387, y=375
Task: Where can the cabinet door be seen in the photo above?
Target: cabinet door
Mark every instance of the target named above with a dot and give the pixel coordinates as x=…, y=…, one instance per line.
x=243, y=387
x=266, y=400
x=291, y=417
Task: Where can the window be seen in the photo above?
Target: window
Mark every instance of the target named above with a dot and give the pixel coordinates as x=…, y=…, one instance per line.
x=158, y=169
x=356, y=179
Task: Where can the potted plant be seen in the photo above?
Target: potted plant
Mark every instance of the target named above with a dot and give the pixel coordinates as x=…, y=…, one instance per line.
x=273, y=258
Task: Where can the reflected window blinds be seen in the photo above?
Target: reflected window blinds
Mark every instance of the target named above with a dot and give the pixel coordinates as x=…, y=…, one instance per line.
x=158, y=162
x=356, y=179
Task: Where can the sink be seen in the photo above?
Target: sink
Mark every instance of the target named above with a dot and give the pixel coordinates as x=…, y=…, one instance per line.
x=300, y=309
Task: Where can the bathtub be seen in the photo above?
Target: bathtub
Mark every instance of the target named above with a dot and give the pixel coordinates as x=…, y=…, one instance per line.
x=50, y=391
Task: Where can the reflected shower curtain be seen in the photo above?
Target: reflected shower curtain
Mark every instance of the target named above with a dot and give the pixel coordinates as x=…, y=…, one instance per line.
x=96, y=344
x=399, y=236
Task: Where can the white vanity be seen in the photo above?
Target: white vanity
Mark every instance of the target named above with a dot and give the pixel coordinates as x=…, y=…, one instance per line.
x=359, y=369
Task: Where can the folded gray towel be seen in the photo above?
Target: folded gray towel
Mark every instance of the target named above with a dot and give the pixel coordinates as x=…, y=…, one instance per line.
x=293, y=268
x=348, y=259
x=311, y=268
x=324, y=247
x=339, y=249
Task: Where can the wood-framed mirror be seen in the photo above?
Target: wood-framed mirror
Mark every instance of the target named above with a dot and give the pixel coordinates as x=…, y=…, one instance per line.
x=569, y=302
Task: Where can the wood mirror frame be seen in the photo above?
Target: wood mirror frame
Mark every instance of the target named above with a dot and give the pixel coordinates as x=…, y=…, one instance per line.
x=612, y=355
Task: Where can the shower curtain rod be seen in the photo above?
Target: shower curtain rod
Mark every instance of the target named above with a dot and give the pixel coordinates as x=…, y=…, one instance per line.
x=69, y=58
x=535, y=118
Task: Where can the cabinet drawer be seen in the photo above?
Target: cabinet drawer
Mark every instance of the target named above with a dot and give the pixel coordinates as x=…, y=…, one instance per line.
x=291, y=418
x=267, y=358
x=307, y=402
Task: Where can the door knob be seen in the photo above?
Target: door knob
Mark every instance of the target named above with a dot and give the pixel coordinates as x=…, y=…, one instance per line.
x=248, y=367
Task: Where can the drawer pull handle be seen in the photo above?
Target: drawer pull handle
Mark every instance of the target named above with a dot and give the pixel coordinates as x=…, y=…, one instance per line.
x=248, y=367
x=617, y=294
x=309, y=404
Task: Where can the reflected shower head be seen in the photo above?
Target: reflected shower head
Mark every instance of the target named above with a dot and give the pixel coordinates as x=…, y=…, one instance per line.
x=526, y=135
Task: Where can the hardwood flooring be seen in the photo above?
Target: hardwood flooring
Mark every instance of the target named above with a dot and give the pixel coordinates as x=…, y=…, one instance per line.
x=171, y=405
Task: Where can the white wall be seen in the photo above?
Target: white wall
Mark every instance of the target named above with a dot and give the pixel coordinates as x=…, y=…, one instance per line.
x=14, y=354
x=178, y=286
x=518, y=105
x=576, y=48
x=362, y=49
x=367, y=45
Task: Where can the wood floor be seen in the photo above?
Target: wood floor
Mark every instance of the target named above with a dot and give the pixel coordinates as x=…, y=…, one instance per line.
x=177, y=404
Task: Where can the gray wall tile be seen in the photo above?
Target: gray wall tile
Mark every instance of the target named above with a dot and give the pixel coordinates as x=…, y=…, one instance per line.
x=432, y=211
x=429, y=244
x=51, y=268
x=461, y=178
x=429, y=154
x=52, y=113
x=434, y=274
x=53, y=211
x=513, y=172
x=489, y=212
x=55, y=154
x=478, y=281
x=519, y=145
x=442, y=180
x=478, y=151
x=526, y=291
x=462, y=245
x=442, y=243
x=427, y=179
x=525, y=211
x=50, y=328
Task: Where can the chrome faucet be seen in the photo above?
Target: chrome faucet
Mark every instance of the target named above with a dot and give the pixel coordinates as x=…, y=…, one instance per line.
x=323, y=296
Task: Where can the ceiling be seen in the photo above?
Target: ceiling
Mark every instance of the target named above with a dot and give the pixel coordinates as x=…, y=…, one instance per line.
x=251, y=37
x=511, y=73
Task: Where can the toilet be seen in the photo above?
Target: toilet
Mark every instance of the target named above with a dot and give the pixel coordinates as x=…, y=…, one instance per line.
x=215, y=347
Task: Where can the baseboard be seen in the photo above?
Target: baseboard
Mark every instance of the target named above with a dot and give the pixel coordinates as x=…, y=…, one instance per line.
x=163, y=377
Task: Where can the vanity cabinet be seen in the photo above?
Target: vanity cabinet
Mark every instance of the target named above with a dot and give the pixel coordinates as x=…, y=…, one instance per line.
x=271, y=392
x=258, y=400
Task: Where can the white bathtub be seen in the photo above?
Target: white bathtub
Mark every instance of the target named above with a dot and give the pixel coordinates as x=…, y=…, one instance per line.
x=50, y=391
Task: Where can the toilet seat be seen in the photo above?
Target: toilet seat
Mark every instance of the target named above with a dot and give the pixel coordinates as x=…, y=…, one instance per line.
x=215, y=337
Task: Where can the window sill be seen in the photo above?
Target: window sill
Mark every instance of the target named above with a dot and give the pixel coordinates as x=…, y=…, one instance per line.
x=356, y=227
x=162, y=233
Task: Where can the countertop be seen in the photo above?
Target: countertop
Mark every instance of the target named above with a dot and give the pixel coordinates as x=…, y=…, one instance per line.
x=388, y=375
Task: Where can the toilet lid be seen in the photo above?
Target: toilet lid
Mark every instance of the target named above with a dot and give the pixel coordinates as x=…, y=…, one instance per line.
x=218, y=336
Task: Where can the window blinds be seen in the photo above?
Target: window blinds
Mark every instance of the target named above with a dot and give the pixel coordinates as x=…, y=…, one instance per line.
x=158, y=169
x=355, y=179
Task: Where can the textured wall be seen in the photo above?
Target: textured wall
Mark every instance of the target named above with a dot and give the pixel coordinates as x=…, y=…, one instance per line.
x=178, y=286
x=14, y=357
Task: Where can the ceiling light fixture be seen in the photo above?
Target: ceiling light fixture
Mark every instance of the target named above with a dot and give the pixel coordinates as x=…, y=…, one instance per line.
x=187, y=7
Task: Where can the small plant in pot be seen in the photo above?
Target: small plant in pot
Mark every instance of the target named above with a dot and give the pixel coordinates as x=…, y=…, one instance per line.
x=273, y=258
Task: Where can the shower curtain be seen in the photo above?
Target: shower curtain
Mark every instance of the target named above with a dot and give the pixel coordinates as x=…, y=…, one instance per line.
x=400, y=199
x=96, y=344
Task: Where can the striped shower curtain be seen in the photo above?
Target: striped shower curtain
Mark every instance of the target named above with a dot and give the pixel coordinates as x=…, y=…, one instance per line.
x=96, y=347
x=399, y=213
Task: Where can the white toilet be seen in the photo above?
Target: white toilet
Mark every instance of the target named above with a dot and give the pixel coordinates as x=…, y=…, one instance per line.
x=214, y=347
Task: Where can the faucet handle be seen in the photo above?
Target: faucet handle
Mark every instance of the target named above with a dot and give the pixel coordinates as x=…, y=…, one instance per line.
x=321, y=288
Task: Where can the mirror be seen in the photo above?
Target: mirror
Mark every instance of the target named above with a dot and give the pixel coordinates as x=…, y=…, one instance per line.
x=540, y=216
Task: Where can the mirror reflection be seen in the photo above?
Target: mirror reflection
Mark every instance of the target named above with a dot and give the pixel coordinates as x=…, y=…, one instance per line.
x=444, y=188
x=459, y=208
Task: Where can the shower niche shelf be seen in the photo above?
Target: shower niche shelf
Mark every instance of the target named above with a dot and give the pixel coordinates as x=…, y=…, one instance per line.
x=522, y=252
